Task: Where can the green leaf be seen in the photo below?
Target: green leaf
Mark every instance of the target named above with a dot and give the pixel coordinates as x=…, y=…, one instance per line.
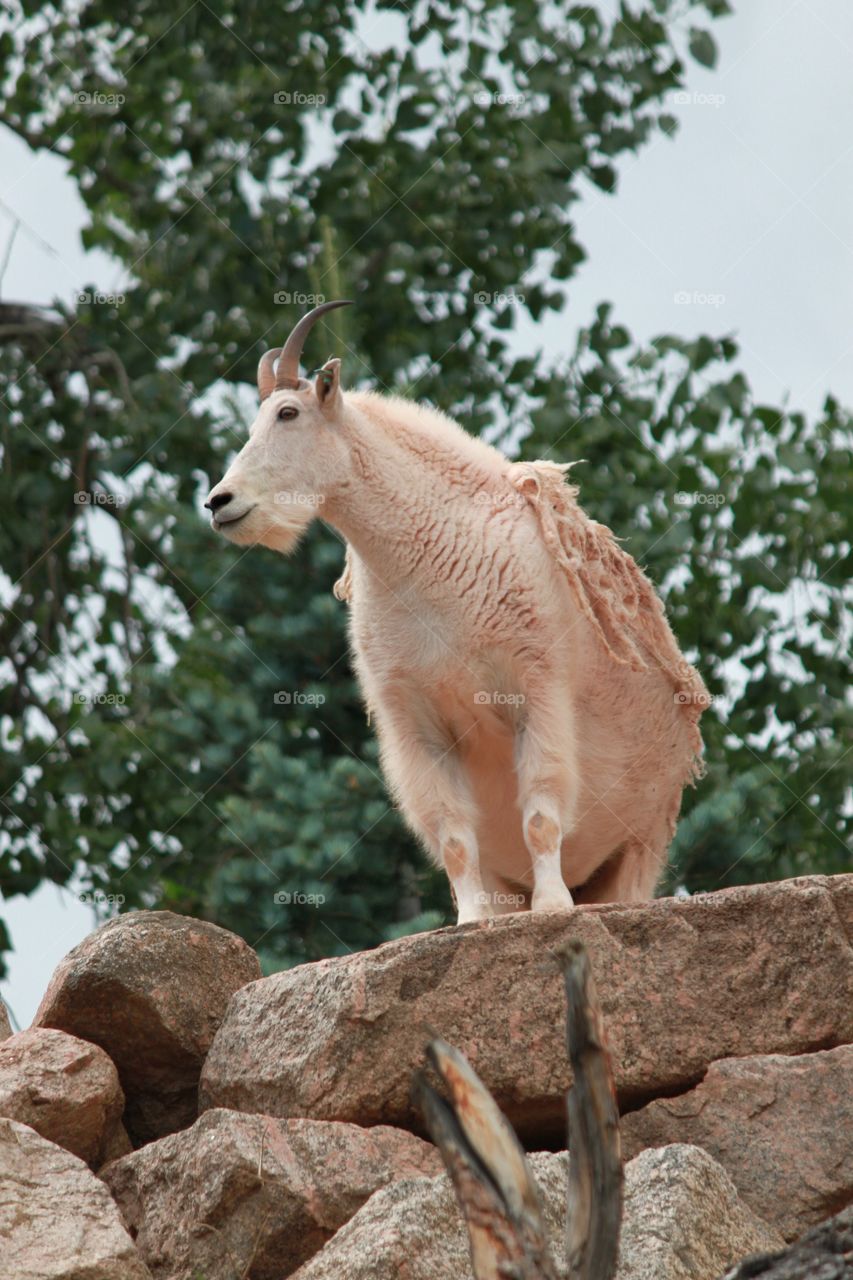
x=703, y=47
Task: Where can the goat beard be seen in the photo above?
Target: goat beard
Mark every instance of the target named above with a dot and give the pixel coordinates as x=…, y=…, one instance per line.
x=278, y=533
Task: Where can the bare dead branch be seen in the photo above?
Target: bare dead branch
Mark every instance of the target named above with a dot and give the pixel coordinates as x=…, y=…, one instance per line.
x=495, y=1189
x=595, y=1165
x=108, y=356
x=824, y=1253
x=493, y=1184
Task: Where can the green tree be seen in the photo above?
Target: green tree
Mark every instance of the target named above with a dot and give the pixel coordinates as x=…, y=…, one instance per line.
x=231, y=159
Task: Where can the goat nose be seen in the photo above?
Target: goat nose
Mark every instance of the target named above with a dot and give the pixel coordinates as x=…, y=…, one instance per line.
x=218, y=500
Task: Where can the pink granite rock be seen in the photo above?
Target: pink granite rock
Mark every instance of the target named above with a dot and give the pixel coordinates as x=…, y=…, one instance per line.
x=754, y=970
x=150, y=988
x=64, y=1088
x=683, y=1220
x=57, y=1221
x=240, y=1195
x=782, y=1127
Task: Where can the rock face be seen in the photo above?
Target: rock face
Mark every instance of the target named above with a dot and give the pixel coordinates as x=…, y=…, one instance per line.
x=64, y=1088
x=756, y=970
x=683, y=1221
x=409, y=1231
x=150, y=988
x=57, y=1221
x=5, y=1024
x=248, y=1196
x=774, y=1123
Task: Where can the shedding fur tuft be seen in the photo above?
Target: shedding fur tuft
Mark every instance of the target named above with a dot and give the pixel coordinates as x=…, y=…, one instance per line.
x=342, y=590
x=611, y=590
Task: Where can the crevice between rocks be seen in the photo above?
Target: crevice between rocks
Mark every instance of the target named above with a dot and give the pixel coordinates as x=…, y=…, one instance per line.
x=543, y=1126
x=635, y=1099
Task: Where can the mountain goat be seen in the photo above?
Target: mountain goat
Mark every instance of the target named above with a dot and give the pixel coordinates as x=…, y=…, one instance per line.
x=536, y=720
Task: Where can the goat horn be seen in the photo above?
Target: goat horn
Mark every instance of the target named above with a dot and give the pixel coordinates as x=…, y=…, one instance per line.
x=266, y=372
x=287, y=374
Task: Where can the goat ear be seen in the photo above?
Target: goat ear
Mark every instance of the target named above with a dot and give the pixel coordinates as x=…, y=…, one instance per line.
x=328, y=385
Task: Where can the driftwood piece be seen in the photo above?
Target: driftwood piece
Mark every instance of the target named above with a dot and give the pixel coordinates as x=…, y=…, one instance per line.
x=824, y=1253
x=493, y=1183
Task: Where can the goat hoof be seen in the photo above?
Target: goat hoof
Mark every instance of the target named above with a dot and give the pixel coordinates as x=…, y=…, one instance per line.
x=552, y=900
x=472, y=917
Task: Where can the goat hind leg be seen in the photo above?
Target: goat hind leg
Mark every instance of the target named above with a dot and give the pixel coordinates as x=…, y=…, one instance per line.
x=547, y=787
x=543, y=836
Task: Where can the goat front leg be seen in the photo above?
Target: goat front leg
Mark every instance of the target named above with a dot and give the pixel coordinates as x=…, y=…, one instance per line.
x=546, y=768
x=426, y=777
x=457, y=850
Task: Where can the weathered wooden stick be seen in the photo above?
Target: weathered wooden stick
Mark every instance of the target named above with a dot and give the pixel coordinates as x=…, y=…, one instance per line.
x=824, y=1253
x=485, y=1160
x=595, y=1155
x=495, y=1189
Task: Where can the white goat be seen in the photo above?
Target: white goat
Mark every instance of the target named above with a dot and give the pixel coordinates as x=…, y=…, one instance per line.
x=536, y=720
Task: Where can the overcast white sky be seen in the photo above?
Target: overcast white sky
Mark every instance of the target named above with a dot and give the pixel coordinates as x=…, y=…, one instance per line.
x=748, y=213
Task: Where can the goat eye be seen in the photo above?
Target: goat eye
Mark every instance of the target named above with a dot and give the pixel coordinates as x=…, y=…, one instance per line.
x=287, y=411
